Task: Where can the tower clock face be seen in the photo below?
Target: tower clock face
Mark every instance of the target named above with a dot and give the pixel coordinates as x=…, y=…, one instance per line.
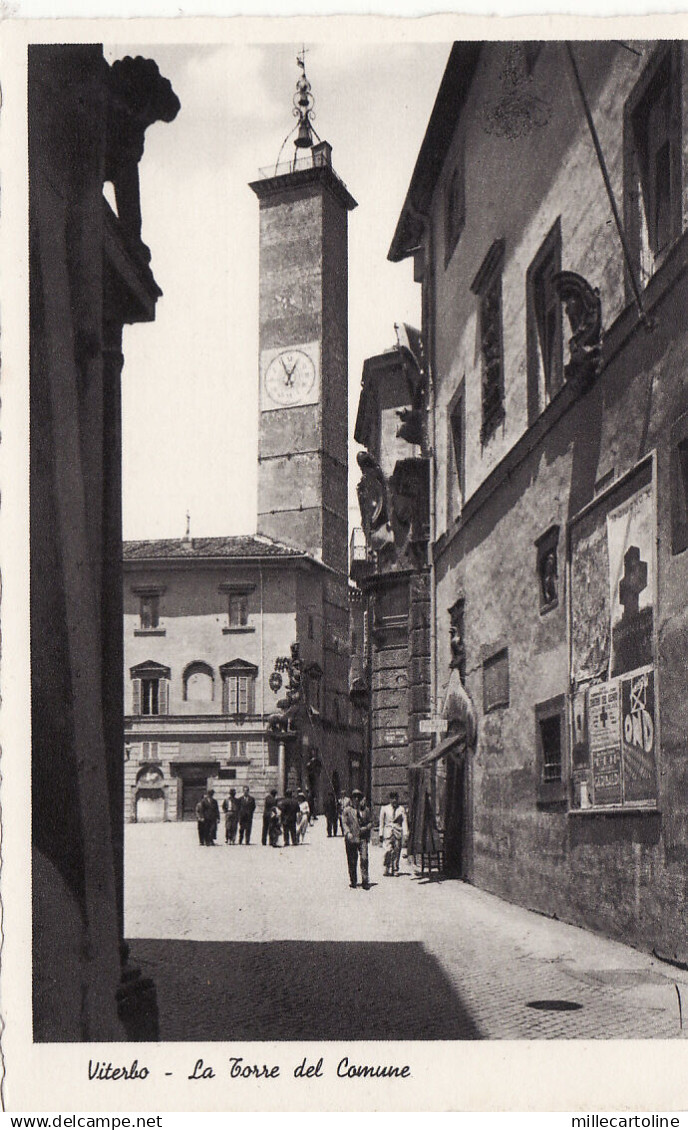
x=289, y=378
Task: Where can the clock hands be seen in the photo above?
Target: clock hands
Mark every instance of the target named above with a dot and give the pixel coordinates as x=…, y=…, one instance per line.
x=289, y=372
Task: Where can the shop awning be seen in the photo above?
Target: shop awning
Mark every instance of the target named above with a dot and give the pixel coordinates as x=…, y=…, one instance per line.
x=453, y=743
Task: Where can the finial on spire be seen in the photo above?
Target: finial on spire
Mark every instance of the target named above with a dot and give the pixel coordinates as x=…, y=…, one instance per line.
x=187, y=535
x=303, y=105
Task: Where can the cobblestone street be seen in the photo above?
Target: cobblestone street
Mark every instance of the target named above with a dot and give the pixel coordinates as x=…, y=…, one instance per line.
x=257, y=943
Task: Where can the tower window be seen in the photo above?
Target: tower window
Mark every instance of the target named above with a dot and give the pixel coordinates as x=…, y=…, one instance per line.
x=487, y=285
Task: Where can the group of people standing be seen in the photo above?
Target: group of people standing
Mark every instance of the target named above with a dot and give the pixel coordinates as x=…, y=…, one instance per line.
x=238, y=817
x=357, y=824
x=288, y=817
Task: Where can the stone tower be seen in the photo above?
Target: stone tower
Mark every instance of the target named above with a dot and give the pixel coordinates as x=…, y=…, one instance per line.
x=302, y=447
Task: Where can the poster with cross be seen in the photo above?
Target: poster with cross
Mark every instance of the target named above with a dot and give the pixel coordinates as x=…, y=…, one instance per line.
x=630, y=537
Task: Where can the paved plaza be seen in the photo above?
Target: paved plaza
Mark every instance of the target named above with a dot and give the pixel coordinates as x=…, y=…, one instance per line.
x=259, y=943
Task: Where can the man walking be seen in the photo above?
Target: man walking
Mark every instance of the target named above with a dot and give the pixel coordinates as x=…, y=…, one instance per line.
x=269, y=804
x=331, y=813
x=230, y=807
x=365, y=827
x=247, y=806
x=352, y=838
x=393, y=829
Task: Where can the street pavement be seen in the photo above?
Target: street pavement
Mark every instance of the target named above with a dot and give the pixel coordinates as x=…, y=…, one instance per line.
x=257, y=943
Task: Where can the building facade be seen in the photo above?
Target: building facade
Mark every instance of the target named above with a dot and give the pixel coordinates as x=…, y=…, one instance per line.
x=389, y=562
x=546, y=217
x=209, y=625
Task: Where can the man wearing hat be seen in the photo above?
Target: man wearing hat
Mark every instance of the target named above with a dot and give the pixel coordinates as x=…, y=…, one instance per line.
x=352, y=839
x=393, y=829
x=365, y=825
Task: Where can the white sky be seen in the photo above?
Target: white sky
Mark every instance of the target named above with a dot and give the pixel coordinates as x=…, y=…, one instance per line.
x=190, y=381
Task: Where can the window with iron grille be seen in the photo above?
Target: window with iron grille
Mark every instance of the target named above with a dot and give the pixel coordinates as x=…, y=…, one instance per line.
x=550, y=738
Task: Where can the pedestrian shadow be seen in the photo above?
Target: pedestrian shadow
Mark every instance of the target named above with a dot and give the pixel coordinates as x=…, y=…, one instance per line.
x=301, y=990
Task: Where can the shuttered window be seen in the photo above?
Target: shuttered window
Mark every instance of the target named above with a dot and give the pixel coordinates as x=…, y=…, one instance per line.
x=237, y=697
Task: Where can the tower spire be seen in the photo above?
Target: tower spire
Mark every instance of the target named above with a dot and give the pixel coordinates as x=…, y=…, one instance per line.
x=303, y=105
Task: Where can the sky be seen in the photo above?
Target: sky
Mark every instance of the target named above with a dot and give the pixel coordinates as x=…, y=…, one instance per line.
x=190, y=379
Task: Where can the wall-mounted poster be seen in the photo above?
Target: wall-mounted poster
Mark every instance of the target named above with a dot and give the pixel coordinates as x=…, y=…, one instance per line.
x=612, y=570
x=630, y=537
x=605, y=743
x=638, y=740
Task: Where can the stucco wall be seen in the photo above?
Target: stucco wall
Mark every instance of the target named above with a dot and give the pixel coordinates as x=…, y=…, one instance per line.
x=623, y=874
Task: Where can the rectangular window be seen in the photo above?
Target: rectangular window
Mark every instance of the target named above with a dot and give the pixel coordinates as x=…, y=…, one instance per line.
x=679, y=485
x=149, y=751
x=238, y=610
x=551, y=742
x=455, y=209
x=496, y=681
x=487, y=285
x=544, y=324
x=238, y=694
x=148, y=611
x=150, y=696
x=237, y=749
x=456, y=455
x=653, y=159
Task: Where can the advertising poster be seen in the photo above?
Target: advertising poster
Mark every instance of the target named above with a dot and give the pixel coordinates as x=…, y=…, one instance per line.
x=638, y=742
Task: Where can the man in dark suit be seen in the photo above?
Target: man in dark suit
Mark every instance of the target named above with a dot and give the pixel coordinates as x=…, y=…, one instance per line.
x=289, y=807
x=247, y=806
x=270, y=802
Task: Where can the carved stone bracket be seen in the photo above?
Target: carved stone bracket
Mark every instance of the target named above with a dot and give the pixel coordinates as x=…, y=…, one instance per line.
x=138, y=96
x=584, y=312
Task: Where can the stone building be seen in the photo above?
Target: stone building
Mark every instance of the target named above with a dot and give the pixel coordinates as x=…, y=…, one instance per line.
x=389, y=561
x=546, y=218
x=206, y=620
x=209, y=624
x=89, y=275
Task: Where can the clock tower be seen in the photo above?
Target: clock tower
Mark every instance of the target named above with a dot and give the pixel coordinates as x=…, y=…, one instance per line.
x=303, y=431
